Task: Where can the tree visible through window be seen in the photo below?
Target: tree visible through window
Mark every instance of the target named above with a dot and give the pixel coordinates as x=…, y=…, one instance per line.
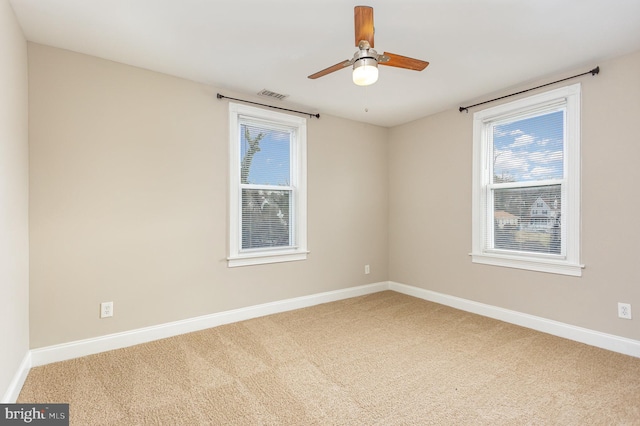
x=266, y=192
x=267, y=186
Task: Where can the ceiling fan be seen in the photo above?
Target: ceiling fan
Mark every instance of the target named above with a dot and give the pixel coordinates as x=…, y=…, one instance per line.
x=365, y=61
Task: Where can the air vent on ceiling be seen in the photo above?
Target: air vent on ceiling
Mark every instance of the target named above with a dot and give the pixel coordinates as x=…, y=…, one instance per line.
x=273, y=95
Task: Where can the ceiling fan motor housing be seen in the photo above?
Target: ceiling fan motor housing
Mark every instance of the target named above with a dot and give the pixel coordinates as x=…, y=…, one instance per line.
x=365, y=52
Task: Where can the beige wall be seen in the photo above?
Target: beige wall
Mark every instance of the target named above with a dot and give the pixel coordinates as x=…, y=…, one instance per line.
x=14, y=198
x=129, y=187
x=129, y=202
x=430, y=211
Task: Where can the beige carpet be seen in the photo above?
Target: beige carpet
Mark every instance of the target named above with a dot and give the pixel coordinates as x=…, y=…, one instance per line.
x=382, y=359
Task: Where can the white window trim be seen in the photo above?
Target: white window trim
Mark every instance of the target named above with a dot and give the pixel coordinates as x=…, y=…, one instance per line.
x=569, y=264
x=238, y=257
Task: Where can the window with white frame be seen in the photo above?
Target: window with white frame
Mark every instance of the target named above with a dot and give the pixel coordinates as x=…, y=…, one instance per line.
x=526, y=183
x=267, y=186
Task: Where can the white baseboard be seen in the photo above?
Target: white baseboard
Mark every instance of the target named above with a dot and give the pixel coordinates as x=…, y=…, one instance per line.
x=583, y=335
x=12, y=393
x=91, y=346
x=95, y=345
x=109, y=342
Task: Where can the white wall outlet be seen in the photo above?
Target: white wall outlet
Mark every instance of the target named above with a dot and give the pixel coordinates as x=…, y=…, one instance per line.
x=106, y=309
x=624, y=310
x=367, y=269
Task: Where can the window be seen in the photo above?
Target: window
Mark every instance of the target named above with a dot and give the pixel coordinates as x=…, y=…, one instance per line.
x=526, y=183
x=267, y=186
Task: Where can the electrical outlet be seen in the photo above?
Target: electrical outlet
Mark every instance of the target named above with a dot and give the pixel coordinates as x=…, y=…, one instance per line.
x=624, y=310
x=106, y=309
x=367, y=269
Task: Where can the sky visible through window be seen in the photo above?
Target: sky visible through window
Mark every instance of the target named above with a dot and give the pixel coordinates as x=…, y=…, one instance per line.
x=529, y=149
x=270, y=165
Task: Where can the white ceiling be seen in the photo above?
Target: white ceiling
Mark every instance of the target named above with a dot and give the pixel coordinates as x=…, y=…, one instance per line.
x=475, y=47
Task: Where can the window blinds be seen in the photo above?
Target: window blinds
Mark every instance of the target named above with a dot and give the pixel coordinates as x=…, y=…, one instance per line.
x=526, y=183
x=265, y=185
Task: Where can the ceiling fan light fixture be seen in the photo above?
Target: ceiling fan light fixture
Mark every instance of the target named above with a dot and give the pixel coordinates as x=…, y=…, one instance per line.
x=365, y=71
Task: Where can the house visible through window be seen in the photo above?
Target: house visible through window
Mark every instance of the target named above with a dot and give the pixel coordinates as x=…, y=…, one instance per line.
x=268, y=186
x=526, y=183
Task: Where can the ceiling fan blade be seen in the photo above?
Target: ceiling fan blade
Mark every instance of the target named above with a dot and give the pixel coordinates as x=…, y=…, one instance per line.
x=363, y=17
x=331, y=69
x=404, y=62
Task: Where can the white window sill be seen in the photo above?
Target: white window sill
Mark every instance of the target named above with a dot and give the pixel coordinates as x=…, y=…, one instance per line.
x=247, y=259
x=529, y=263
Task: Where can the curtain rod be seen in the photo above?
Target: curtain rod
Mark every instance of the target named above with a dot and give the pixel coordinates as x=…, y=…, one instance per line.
x=594, y=71
x=219, y=96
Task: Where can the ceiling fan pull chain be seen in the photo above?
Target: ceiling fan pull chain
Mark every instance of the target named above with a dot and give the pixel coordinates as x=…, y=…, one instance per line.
x=366, y=99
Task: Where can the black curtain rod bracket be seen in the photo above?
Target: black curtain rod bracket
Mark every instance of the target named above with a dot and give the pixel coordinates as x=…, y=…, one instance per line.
x=594, y=71
x=219, y=96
